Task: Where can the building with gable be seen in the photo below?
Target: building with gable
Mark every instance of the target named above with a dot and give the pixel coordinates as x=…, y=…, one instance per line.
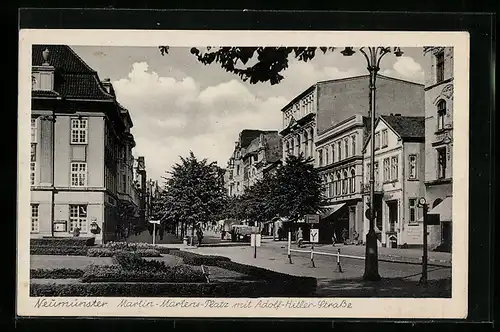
x=255, y=153
x=399, y=179
x=81, y=149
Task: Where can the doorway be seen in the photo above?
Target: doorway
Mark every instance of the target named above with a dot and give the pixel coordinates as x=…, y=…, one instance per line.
x=393, y=215
x=446, y=234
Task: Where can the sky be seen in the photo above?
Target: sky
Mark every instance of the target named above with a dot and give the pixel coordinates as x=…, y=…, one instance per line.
x=179, y=105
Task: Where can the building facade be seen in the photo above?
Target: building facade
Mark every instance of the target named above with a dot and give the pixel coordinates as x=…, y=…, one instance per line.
x=78, y=130
x=340, y=161
x=399, y=180
x=252, y=156
x=439, y=140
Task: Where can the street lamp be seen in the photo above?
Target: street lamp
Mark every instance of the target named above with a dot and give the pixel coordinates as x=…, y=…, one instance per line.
x=373, y=55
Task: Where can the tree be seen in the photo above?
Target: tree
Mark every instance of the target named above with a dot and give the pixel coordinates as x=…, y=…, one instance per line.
x=298, y=189
x=194, y=193
x=268, y=62
x=259, y=201
x=126, y=211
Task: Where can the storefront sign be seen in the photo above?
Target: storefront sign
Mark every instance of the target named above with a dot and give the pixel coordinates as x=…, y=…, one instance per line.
x=60, y=226
x=312, y=218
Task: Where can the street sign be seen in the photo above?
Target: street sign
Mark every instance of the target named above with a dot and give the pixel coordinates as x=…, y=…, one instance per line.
x=154, y=222
x=368, y=213
x=312, y=218
x=433, y=219
x=255, y=240
x=314, y=235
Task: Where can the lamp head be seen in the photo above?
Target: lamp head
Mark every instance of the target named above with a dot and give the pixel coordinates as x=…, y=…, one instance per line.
x=422, y=201
x=348, y=51
x=397, y=52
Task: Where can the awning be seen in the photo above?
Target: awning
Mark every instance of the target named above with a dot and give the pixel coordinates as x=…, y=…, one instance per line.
x=331, y=209
x=443, y=209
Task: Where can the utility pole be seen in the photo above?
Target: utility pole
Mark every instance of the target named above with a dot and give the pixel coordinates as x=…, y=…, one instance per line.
x=423, y=204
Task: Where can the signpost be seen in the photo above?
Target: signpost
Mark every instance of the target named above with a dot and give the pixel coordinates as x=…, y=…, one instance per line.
x=428, y=219
x=314, y=235
x=255, y=241
x=154, y=222
x=312, y=218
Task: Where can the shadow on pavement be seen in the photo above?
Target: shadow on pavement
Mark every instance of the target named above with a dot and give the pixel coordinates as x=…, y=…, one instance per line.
x=387, y=287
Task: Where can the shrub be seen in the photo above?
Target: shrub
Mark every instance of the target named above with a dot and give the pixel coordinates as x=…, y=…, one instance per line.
x=151, y=289
x=107, y=252
x=133, y=246
x=55, y=273
x=115, y=273
x=64, y=241
x=191, y=258
x=63, y=251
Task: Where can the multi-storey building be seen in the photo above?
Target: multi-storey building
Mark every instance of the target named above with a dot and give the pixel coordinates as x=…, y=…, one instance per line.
x=254, y=151
x=340, y=161
x=399, y=179
x=321, y=122
x=439, y=139
x=78, y=130
x=140, y=181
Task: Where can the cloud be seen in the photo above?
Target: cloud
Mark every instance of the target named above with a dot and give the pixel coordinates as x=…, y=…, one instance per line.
x=407, y=68
x=173, y=116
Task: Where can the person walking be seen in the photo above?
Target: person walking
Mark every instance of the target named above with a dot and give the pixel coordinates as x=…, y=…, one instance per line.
x=334, y=238
x=300, y=238
x=199, y=234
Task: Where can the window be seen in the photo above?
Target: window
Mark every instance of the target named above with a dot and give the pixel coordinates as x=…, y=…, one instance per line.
x=124, y=180
x=320, y=157
x=352, y=187
x=412, y=203
x=353, y=142
x=337, y=184
x=78, y=217
x=287, y=148
x=79, y=131
x=394, y=168
x=346, y=144
x=327, y=156
x=237, y=169
x=344, y=183
x=339, y=150
x=331, y=186
x=298, y=144
x=377, y=140
x=387, y=170
x=33, y=164
x=385, y=138
x=35, y=224
x=368, y=172
x=441, y=112
x=439, y=67
x=441, y=154
x=306, y=144
x=412, y=169
x=34, y=130
x=78, y=174
x=333, y=153
x=375, y=172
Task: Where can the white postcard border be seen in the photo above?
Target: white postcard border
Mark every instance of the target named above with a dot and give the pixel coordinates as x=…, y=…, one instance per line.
x=455, y=307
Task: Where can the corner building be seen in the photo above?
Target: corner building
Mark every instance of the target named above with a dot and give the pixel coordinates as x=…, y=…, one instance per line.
x=81, y=148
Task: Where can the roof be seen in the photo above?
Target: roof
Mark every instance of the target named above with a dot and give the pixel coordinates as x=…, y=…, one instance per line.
x=73, y=78
x=248, y=135
x=407, y=127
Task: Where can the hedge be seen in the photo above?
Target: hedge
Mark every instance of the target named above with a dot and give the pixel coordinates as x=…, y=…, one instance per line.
x=62, y=251
x=64, y=241
x=114, y=273
x=107, y=252
x=55, y=273
x=151, y=289
x=133, y=246
x=191, y=258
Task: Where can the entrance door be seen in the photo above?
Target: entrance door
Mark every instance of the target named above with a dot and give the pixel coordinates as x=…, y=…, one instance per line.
x=393, y=215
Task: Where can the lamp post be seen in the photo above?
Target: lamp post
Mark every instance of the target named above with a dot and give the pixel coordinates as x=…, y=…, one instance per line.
x=373, y=55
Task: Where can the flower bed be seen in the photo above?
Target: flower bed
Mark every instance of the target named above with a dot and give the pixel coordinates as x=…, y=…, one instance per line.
x=133, y=246
x=150, y=289
x=191, y=258
x=54, y=250
x=108, y=252
x=64, y=241
x=56, y=273
x=115, y=273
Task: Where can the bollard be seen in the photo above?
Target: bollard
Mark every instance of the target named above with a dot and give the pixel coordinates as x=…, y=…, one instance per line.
x=289, y=247
x=312, y=255
x=339, y=267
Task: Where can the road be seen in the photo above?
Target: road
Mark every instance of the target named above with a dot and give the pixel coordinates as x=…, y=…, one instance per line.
x=273, y=255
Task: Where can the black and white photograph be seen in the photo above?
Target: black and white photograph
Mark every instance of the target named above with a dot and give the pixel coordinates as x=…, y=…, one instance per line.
x=174, y=178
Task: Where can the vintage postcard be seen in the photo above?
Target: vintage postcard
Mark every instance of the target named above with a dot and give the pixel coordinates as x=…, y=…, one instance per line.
x=243, y=174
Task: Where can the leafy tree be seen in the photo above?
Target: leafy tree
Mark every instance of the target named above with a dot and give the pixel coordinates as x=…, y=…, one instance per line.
x=298, y=189
x=267, y=62
x=194, y=193
x=259, y=201
x=126, y=212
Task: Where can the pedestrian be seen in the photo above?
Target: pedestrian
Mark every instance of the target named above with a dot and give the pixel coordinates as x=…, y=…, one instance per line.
x=199, y=234
x=334, y=238
x=299, y=238
x=345, y=235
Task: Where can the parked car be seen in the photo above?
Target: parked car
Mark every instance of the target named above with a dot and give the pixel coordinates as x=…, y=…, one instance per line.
x=241, y=233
